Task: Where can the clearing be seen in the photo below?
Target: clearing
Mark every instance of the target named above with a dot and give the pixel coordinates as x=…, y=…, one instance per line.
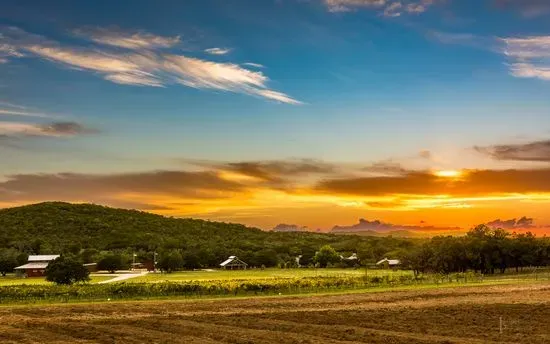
x=445, y=315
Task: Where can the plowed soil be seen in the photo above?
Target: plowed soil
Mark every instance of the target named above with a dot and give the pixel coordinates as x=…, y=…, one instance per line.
x=449, y=315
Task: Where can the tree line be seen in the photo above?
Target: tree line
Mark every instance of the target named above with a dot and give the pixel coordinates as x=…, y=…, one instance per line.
x=111, y=238
x=482, y=249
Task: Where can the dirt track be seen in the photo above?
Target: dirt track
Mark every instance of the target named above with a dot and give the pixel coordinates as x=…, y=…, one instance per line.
x=461, y=315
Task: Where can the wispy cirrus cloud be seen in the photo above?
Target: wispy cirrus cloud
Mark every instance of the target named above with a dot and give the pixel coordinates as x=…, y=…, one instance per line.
x=54, y=129
x=217, y=51
x=12, y=105
x=255, y=65
x=529, y=55
x=146, y=66
x=7, y=51
x=387, y=8
x=11, y=112
x=116, y=37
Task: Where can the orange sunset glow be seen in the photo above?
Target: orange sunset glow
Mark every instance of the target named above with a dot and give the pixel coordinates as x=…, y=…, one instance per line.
x=317, y=195
x=421, y=124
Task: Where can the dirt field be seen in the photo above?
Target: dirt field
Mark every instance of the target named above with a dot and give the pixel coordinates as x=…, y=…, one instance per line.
x=457, y=315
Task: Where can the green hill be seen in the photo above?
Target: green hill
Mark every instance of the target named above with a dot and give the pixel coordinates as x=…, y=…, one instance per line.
x=56, y=227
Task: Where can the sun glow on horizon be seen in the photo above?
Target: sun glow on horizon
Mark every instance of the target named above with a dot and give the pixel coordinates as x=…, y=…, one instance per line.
x=448, y=174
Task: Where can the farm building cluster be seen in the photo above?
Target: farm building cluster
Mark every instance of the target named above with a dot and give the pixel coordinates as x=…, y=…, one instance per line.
x=37, y=264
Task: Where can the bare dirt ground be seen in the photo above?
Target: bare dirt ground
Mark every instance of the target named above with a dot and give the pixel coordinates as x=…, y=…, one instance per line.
x=449, y=315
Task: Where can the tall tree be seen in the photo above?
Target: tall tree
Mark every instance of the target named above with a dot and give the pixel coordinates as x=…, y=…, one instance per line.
x=66, y=271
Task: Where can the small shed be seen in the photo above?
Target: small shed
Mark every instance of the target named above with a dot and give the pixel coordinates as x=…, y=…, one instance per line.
x=389, y=263
x=36, y=266
x=233, y=263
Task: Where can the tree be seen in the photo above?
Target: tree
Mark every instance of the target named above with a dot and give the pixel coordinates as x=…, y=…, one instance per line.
x=111, y=262
x=326, y=255
x=66, y=271
x=8, y=260
x=170, y=261
x=266, y=257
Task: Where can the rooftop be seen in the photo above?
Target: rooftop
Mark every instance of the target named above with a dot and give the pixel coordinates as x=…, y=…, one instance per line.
x=32, y=266
x=389, y=261
x=43, y=258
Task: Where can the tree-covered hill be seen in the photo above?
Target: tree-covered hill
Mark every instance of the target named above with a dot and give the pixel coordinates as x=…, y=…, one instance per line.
x=110, y=236
x=57, y=227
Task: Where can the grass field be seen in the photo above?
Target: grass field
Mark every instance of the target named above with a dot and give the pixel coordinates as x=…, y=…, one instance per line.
x=11, y=279
x=437, y=315
x=261, y=274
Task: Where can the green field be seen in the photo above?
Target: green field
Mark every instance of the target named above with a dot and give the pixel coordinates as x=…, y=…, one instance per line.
x=202, y=275
x=11, y=279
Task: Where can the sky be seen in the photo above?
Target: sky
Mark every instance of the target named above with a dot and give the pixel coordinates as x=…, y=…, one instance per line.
x=428, y=115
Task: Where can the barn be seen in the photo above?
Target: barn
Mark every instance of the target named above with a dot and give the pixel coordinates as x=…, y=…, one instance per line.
x=234, y=263
x=389, y=263
x=36, y=265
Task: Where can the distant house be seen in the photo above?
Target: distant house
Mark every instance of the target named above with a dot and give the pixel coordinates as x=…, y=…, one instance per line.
x=297, y=259
x=389, y=263
x=36, y=266
x=233, y=263
x=353, y=257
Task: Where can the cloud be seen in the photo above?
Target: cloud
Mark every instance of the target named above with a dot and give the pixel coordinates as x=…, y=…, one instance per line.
x=527, y=8
x=387, y=8
x=10, y=112
x=7, y=51
x=532, y=151
x=386, y=168
x=116, y=37
x=66, y=129
x=425, y=154
x=530, y=56
x=115, y=188
x=274, y=171
x=12, y=105
x=348, y=5
x=521, y=223
x=479, y=183
x=149, y=67
x=255, y=65
x=379, y=226
x=393, y=10
x=218, y=51
x=55, y=129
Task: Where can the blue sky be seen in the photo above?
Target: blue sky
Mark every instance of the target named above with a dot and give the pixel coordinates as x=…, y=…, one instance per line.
x=103, y=87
